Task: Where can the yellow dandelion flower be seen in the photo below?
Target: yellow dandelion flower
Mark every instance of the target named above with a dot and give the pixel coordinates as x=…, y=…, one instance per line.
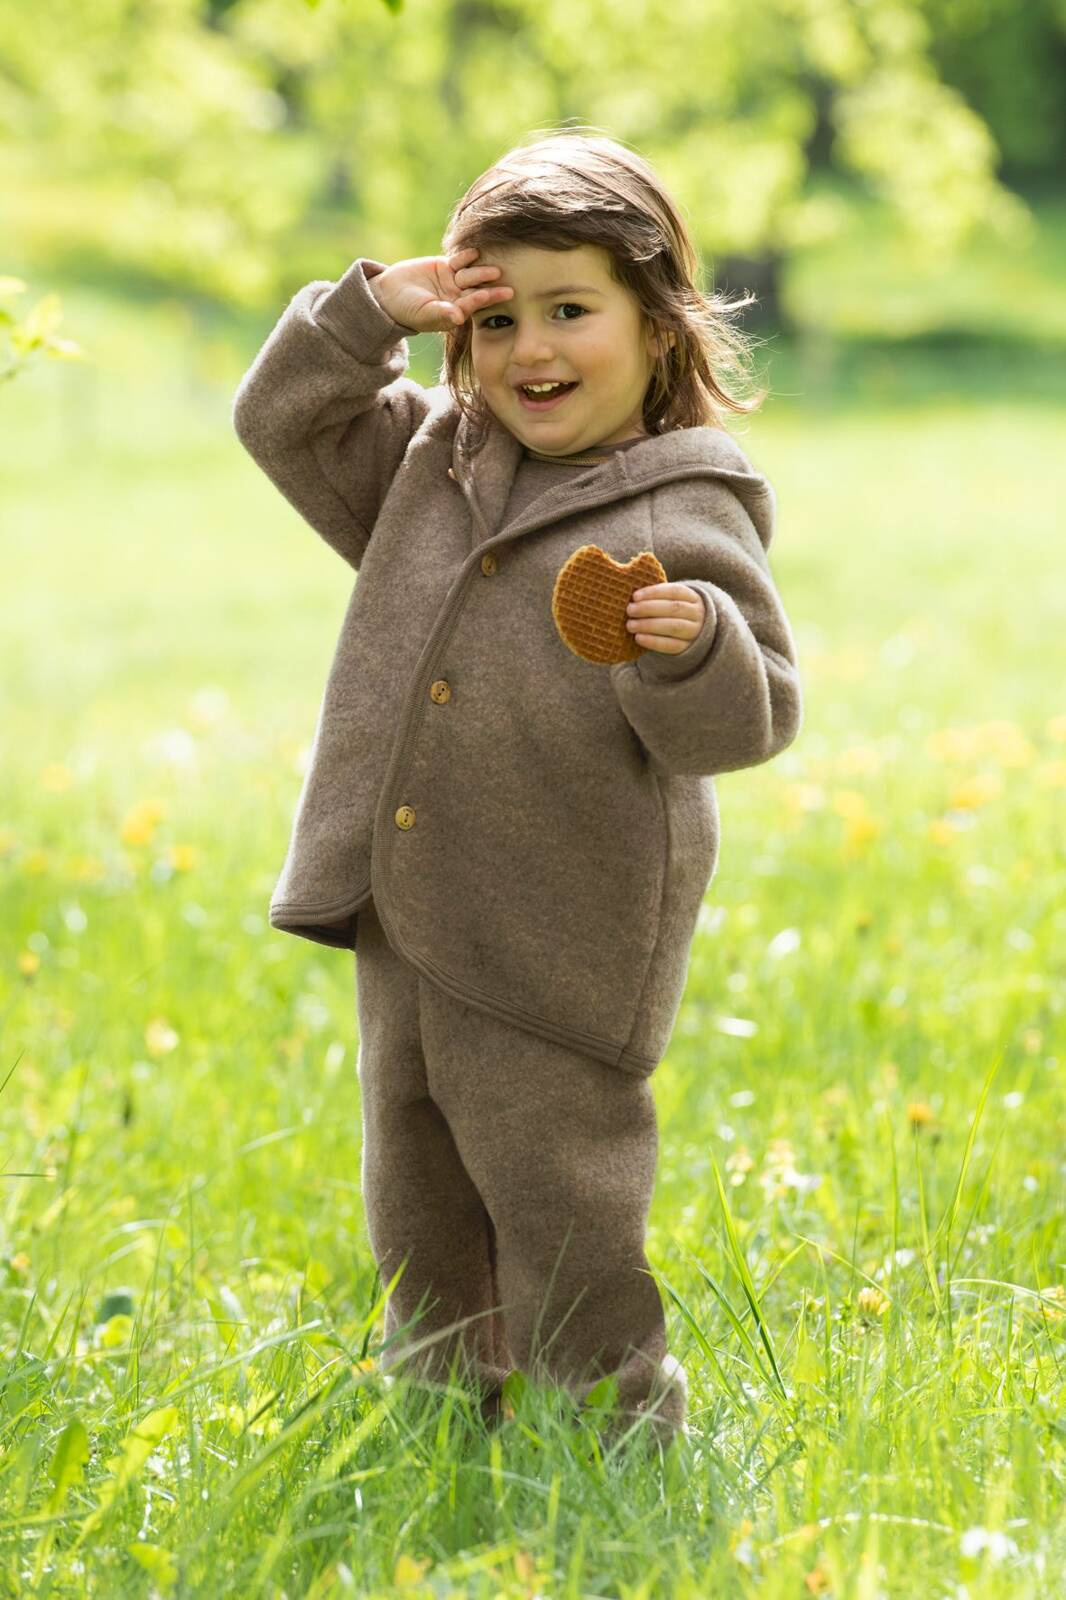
x=920, y=1114
x=85, y=869
x=159, y=1037
x=804, y=796
x=850, y=663
x=859, y=760
x=817, y=1581
x=1053, y=1301
x=870, y=1302
x=976, y=791
x=368, y=1364
x=952, y=744
x=859, y=830
x=56, y=777
x=141, y=821
x=114, y=1333
x=408, y=1572
x=183, y=857
x=1032, y=1041
x=525, y=1567
x=260, y=1413
x=941, y=831
x=234, y=1416
x=743, y=1531
x=1051, y=774
x=1008, y=743
x=264, y=1283
x=20, y=1261
x=35, y=862
x=850, y=803
x=29, y=962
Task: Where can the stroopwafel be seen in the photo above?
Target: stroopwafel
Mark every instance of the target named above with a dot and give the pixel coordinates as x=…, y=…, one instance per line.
x=589, y=602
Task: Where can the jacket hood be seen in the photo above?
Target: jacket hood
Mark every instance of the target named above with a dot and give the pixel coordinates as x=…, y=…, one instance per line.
x=485, y=459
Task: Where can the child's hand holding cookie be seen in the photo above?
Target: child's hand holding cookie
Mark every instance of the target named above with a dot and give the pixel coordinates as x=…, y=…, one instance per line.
x=665, y=617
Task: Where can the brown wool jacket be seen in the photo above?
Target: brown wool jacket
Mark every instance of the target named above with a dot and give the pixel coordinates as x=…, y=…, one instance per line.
x=537, y=832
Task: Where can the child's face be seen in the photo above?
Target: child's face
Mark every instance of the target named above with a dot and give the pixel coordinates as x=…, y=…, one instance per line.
x=592, y=336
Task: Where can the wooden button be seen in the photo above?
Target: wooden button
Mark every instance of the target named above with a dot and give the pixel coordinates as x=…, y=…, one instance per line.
x=405, y=817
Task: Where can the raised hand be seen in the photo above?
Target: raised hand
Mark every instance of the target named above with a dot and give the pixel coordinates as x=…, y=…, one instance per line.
x=430, y=294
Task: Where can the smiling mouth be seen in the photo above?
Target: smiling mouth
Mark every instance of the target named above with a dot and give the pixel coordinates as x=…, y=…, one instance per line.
x=544, y=400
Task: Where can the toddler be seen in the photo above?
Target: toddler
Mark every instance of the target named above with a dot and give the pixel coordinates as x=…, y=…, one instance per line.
x=515, y=841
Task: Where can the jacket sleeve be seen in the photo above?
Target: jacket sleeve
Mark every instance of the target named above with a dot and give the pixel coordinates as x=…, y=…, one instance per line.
x=325, y=409
x=732, y=697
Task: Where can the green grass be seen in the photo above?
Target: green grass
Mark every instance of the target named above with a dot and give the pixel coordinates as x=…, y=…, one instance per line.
x=180, y=1112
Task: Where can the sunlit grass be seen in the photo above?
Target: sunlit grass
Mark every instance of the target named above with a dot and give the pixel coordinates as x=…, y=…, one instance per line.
x=858, y=1225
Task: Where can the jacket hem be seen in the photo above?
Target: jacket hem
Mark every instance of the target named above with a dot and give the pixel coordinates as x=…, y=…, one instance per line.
x=321, y=925
x=587, y=1043
x=332, y=923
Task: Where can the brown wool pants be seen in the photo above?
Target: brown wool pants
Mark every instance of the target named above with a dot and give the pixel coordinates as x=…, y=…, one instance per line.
x=514, y=1175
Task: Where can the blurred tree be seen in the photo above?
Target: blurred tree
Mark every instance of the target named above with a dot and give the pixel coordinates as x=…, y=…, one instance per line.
x=1009, y=62
x=241, y=147
x=137, y=138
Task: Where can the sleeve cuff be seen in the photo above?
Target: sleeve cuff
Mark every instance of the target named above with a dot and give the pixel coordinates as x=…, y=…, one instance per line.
x=659, y=666
x=350, y=312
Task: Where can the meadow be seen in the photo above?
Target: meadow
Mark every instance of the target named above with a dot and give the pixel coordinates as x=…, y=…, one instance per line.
x=858, y=1224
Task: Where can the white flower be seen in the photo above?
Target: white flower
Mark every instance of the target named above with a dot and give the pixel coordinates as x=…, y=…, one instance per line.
x=975, y=1541
x=175, y=745
x=209, y=704
x=743, y=1027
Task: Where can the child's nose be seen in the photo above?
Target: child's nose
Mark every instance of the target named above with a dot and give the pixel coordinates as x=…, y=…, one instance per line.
x=530, y=347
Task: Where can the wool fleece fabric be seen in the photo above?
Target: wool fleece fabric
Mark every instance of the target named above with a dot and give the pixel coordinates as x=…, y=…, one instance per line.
x=536, y=831
x=511, y=1179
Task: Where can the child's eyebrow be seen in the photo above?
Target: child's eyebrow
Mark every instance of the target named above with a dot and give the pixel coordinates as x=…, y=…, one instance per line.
x=567, y=288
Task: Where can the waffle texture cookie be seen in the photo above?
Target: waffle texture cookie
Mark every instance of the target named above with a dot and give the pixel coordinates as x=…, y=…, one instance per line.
x=589, y=602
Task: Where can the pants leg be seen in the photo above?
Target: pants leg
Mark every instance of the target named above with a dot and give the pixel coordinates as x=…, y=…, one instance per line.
x=562, y=1149
x=512, y=1173
x=421, y=1204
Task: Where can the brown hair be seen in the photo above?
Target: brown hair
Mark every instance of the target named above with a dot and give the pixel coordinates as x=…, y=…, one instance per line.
x=571, y=187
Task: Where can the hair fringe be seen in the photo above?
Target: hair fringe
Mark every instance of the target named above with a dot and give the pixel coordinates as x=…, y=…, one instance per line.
x=560, y=188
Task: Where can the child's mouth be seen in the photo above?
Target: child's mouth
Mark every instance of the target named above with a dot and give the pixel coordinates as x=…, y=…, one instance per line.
x=545, y=401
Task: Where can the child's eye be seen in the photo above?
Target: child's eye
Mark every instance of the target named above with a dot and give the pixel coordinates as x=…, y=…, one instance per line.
x=564, y=305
